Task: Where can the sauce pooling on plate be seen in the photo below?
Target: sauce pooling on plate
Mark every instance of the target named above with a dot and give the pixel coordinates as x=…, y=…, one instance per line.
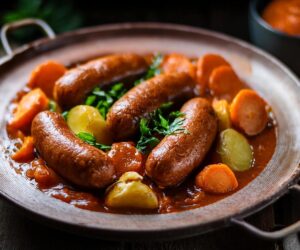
x=284, y=15
x=140, y=134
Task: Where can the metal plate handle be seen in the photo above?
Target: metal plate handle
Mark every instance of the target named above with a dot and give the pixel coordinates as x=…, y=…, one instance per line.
x=274, y=235
x=25, y=22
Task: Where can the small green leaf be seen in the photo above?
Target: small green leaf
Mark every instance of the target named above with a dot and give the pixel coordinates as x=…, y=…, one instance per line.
x=175, y=114
x=87, y=137
x=166, y=105
x=52, y=106
x=103, y=100
x=144, y=127
x=91, y=140
x=90, y=100
x=153, y=69
x=65, y=115
x=102, y=146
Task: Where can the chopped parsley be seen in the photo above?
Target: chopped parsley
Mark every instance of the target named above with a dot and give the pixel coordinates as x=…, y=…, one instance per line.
x=65, y=115
x=103, y=100
x=90, y=139
x=52, y=106
x=161, y=124
x=153, y=70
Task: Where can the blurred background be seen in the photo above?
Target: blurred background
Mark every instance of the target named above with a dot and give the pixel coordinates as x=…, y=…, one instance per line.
x=227, y=16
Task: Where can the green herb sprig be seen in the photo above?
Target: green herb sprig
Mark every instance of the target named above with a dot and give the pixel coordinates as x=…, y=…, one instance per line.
x=161, y=124
x=65, y=115
x=103, y=100
x=153, y=70
x=90, y=139
x=52, y=106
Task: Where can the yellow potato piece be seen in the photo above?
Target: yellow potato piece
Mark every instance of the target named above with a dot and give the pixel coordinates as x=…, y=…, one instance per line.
x=83, y=118
x=130, y=192
x=221, y=109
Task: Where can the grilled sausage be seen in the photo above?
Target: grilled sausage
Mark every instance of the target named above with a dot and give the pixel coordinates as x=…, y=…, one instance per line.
x=72, y=88
x=123, y=117
x=69, y=156
x=176, y=156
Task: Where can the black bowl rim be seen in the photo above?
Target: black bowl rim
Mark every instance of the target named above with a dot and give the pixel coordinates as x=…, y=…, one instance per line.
x=264, y=24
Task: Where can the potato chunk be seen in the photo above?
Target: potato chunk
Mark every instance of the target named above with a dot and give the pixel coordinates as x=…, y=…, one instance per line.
x=83, y=118
x=221, y=109
x=235, y=150
x=130, y=192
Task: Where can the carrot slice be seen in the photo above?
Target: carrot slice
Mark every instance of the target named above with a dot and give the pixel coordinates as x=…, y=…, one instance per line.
x=205, y=67
x=217, y=179
x=224, y=83
x=174, y=63
x=248, y=112
x=45, y=75
x=30, y=104
x=26, y=152
x=125, y=157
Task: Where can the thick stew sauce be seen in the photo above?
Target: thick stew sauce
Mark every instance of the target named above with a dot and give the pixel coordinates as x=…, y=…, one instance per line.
x=127, y=133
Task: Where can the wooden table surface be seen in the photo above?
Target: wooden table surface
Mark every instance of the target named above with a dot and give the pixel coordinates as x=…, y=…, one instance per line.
x=17, y=231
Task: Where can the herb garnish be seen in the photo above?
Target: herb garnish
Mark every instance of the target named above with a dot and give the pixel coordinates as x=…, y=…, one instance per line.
x=52, y=106
x=161, y=124
x=90, y=139
x=153, y=70
x=65, y=115
x=103, y=100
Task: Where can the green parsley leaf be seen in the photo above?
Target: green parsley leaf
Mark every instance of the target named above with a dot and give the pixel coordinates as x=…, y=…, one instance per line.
x=52, y=105
x=161, y=124
x=87, y=137
x=91, y=140
x=103, y=100
x=65, y=115
x=153, y=70
x=90, y=100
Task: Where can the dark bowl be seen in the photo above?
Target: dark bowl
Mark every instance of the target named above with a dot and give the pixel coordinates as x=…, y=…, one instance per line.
x=281, y=45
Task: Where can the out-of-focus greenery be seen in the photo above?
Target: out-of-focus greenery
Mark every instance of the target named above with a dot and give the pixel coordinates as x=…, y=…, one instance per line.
x=59, y=14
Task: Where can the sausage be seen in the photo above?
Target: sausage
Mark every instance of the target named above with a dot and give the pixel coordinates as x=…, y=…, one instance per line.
x=71, y=89
x=176, y=156
x=123, y=117
x=78, y=162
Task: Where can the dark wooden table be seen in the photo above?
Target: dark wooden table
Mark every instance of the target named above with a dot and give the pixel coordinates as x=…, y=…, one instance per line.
x=17, y=231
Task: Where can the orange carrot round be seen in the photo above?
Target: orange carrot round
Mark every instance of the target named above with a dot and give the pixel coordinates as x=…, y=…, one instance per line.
x=26, y=152
x=45, y=75
x=224, y=83
x=217, y=179
x=30, y=104
x=206, y=65
x=174, y=63
x=248, y=112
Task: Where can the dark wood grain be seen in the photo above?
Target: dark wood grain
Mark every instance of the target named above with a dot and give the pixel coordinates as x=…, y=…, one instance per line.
x=19, y=232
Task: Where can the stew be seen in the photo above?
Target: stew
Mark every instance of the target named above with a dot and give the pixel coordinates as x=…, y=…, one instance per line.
x=129, y=133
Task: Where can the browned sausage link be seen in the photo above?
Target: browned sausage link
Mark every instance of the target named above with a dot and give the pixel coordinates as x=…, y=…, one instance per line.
x=75, y=84
x=123, y=117
x=176, y=156
x=69, y=156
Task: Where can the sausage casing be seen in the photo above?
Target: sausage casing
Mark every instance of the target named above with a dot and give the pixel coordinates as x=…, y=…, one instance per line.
x=124, y=116
x=72, y=88
x=69, y=156
x=176, y=156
